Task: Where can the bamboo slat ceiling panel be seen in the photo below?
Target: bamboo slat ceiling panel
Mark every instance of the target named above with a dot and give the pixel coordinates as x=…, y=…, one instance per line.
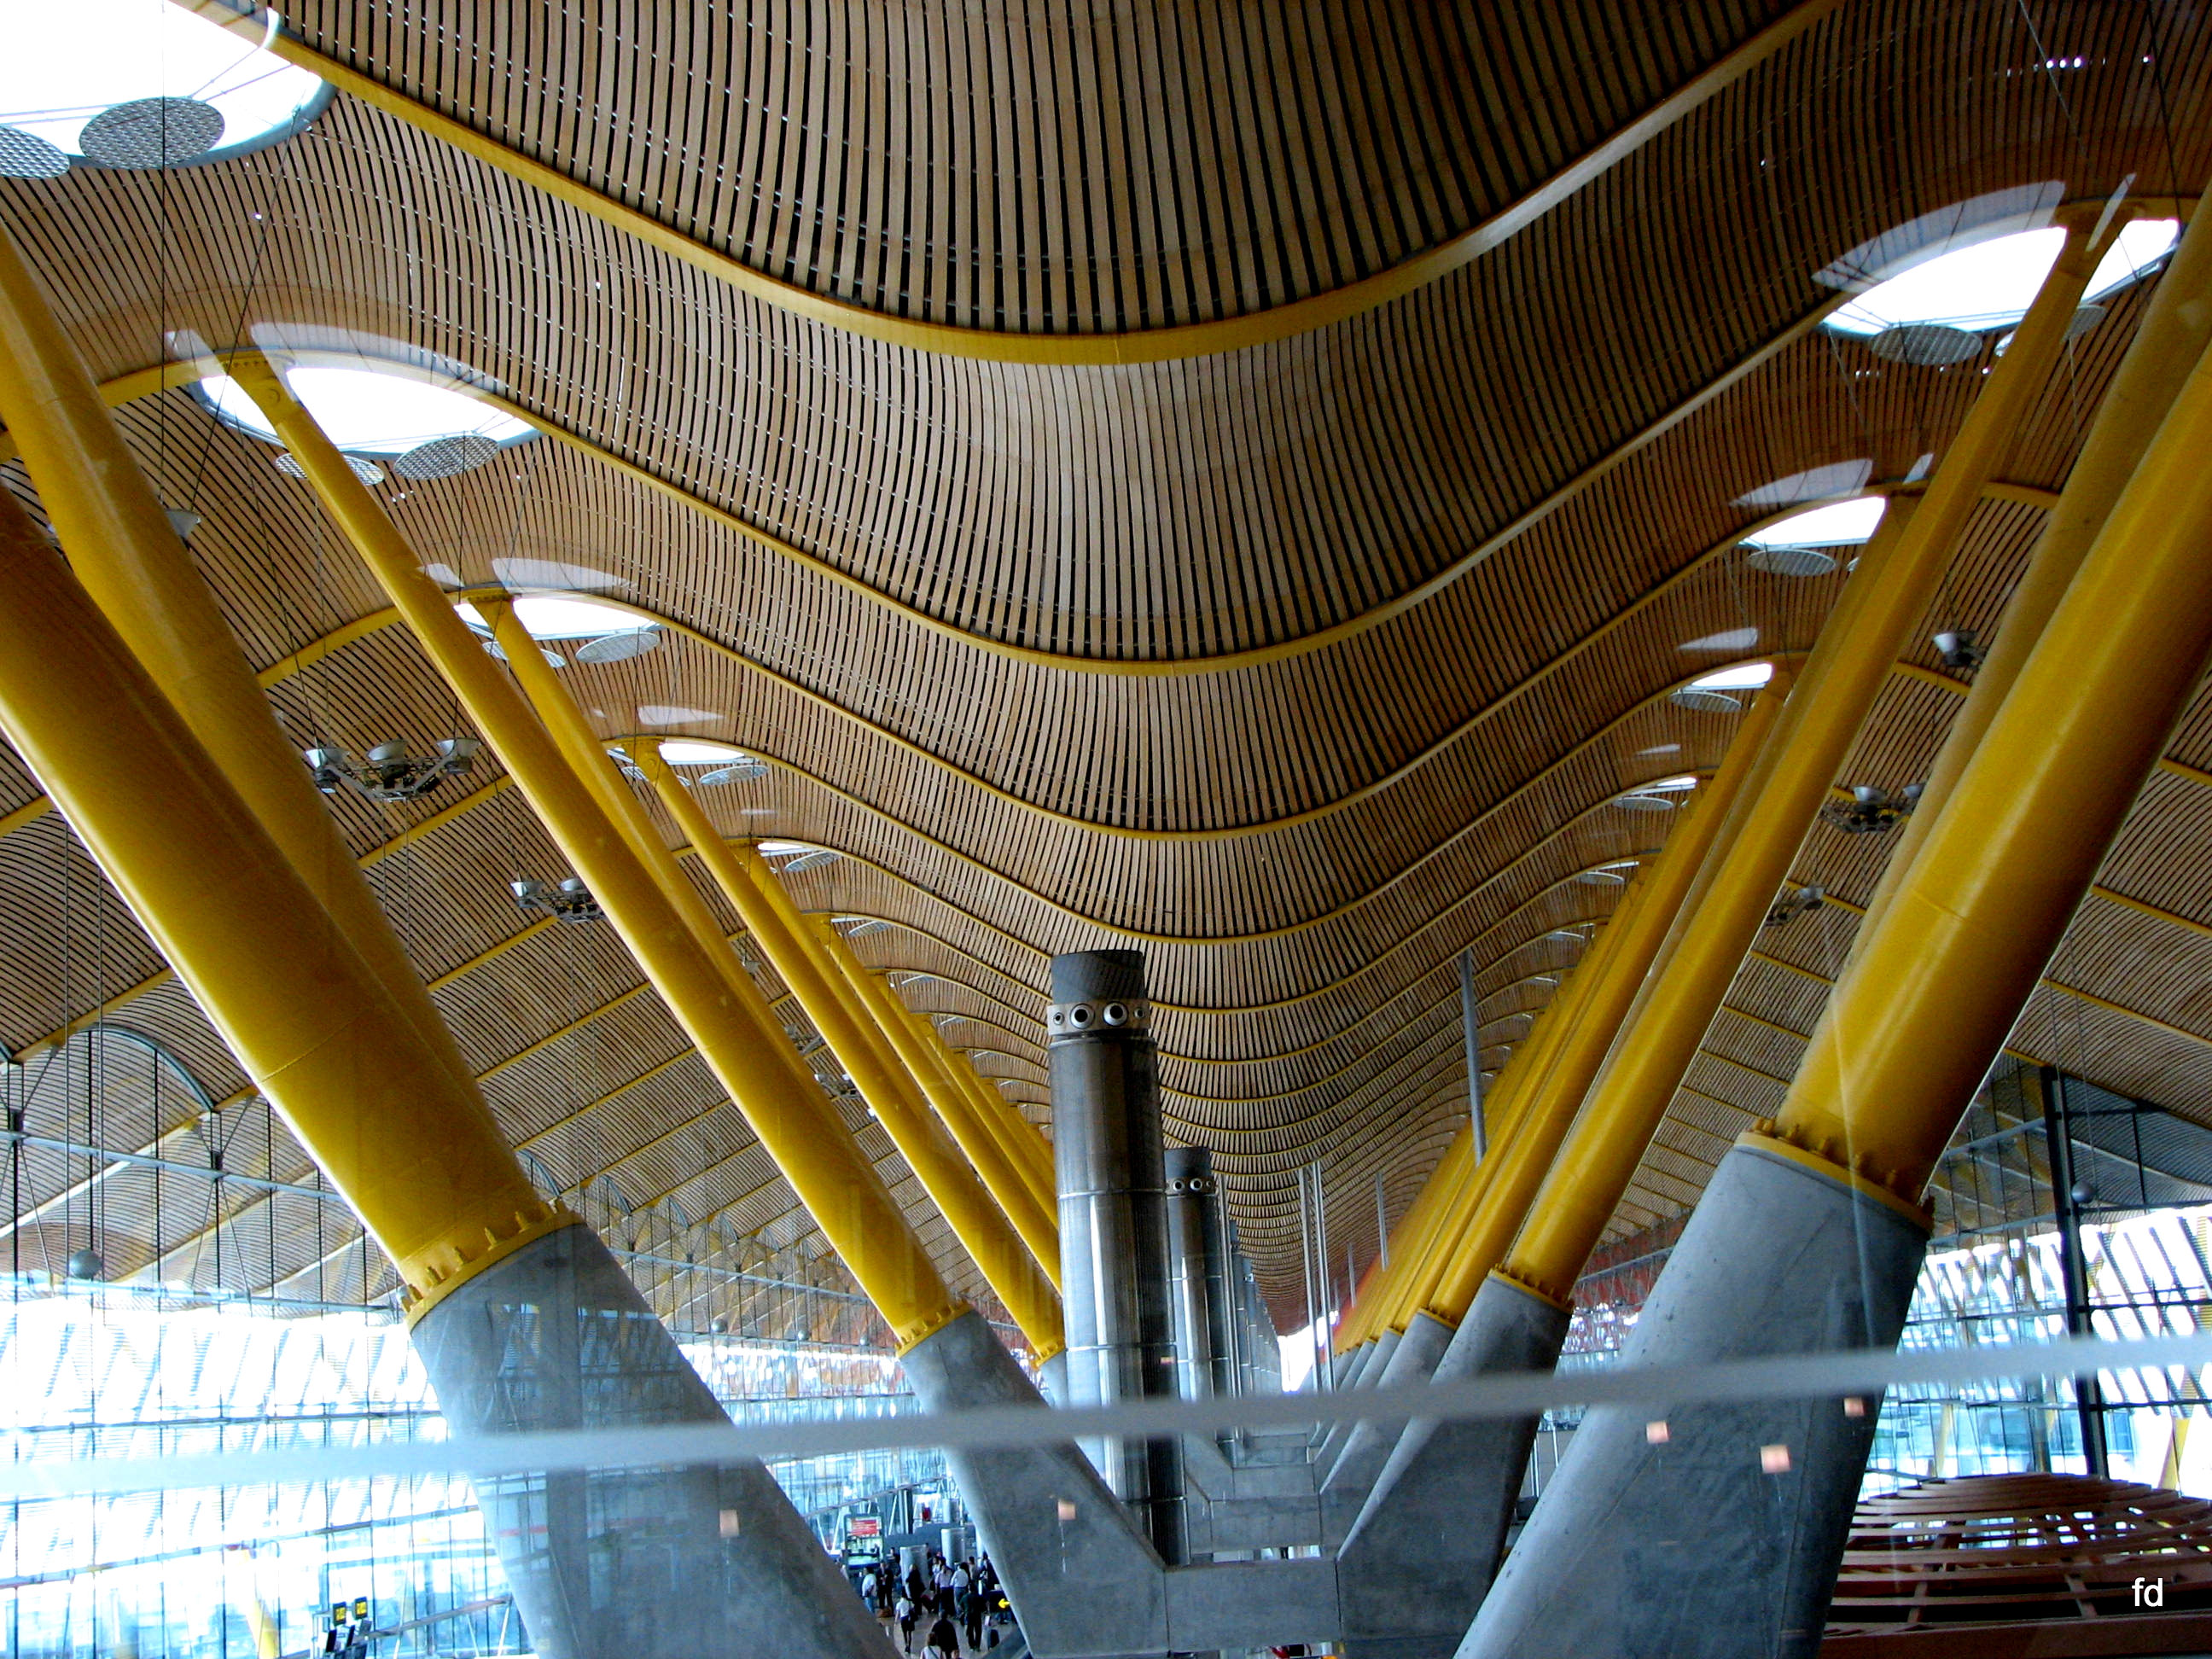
x=1056, y=168
x=1516, y=493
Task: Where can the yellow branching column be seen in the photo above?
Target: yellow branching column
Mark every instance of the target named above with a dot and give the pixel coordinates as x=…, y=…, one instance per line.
x=1809, y=1235
x=1445, y=1492
x=981, y=1228
x=416, y=1152
x=1067, y=1551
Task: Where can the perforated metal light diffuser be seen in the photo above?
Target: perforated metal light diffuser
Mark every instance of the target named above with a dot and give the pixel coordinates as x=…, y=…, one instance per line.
x=1601, y=878
x=742, y=771
x=1704, y=701
x=443, y=457
x=362, y=467
x=1926, y=345
x=26, y=156
x=152, y=132
x=1642, y=803
x=1790, y=560
x=619, y=647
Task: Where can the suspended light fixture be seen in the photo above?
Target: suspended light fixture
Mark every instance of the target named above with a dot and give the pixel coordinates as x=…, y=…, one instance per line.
x=1960, y=651
x=800, y=855
x=566, y=901
x=389, y=772
x=1796, y=901
x=1871, y=809
x=1802, y=544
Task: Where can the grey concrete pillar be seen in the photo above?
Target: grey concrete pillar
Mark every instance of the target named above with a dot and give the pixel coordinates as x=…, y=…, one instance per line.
x=1082, y=1576
x=1109, y=1157
x=1716, y=1529
x=1417, y=1561
x=649, y=1563
x=1190, y=1193
x=1352, y=1473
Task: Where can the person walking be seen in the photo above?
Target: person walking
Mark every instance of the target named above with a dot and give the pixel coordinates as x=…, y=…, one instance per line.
x=904, y=1612
x=944, y=1641
x=971, y=1614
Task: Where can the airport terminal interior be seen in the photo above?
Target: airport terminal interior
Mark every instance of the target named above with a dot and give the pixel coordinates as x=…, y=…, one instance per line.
x=1104, y=828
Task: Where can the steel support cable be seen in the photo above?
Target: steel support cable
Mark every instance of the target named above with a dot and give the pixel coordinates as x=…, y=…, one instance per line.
x=1250, y=329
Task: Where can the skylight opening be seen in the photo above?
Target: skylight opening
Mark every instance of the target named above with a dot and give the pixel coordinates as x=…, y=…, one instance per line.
x=367, y=411
x=1841, y=524
x=1671, y=784
x=561, y=617
x=1991, y=284
x=78, y=80
x=690, y=751
x=1747, y=676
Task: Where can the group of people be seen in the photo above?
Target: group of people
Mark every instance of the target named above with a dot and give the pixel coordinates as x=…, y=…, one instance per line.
x=943, y=1599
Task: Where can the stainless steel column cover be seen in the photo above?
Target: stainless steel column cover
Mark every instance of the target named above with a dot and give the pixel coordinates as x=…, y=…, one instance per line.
x=1222, y=1342
x=1190, y=1193
x=1113, y=1225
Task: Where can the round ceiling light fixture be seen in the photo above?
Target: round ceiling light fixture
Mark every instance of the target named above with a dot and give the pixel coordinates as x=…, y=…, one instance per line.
x=137, y=84
x=1798, y=546
x=422, y=426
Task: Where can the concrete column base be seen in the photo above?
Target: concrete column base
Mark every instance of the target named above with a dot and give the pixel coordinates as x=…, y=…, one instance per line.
x=1367, y=1447
x=1357, y=1368
x=648, y=1564
x=1688, y=1545
x=1416, y=1563
x=1082, y=1579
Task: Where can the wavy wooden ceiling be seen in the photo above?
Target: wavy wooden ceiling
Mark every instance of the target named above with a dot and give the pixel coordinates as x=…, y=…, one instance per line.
x=1510, y=493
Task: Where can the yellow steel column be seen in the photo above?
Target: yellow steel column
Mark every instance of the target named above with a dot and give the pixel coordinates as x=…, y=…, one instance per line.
x=1022, y=1141
x=1926, y=1004
x=124, y=550
x=1033, y=1157
x=917, y=1050
x=1533, y=1163
x=1897, y=579
x=415, y=1152
x=1515, y=1086
x=2176, y=326
x=720, y=1008
x=1370, y=1314
x=998, y=1251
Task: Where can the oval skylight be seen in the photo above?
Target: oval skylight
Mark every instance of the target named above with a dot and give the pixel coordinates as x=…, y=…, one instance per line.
x=1841, y=524
x=366, y=412
x=693, y=752
x=559, y=617
x=1746, y=676
x=68, y=65
x=1989, y=284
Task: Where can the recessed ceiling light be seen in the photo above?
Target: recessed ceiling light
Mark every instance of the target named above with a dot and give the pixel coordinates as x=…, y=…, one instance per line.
x=1660, y=749
x=124, y=67
x=369, y=411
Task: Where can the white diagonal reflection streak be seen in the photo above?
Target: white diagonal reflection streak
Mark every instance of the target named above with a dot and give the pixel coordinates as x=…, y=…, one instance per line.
x=1834, y=1374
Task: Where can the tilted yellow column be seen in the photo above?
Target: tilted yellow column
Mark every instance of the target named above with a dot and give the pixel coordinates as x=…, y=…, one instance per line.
x=2174, y=331
x=1926, y=1005
x=1032, y=1157
x=413, y=1150
x=1536, y=1163
x=1515, y=1086
x=954, y=1109
x=1370, y=1313
x=128, y=558
x=983, y=1232
x=721, y=1010
x=1897, y=579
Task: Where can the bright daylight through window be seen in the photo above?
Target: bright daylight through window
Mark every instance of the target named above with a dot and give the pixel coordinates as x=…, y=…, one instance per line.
x=137, y=83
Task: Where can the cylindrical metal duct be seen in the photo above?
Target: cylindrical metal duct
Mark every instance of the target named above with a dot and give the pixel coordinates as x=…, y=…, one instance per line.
x=1109, y=1157
x=1223, y=1341
x=1190, y=1189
